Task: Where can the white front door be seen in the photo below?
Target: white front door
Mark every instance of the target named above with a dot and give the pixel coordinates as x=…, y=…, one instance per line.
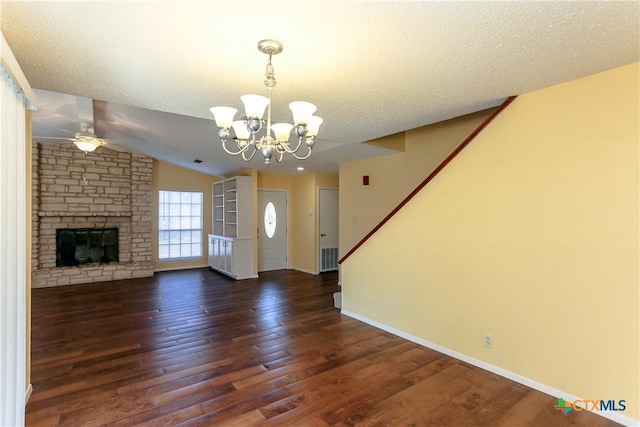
x=328, y=227
x=272, y=230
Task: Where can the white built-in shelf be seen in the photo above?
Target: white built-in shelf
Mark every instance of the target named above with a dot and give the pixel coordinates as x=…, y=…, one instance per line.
x=232, y=211
x=231, y=244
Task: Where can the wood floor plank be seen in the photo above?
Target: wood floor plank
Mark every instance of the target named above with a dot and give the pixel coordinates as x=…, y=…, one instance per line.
x=363, y=396
x=297, y=408
x=525, y=411
x=196, y=348
x=415, y=402
x=245, y=419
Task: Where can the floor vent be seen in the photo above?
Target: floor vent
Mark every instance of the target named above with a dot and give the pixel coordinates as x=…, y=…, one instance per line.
x=329, y=259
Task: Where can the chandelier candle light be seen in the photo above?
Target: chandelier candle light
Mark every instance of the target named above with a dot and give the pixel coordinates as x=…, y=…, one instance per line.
x=306, y=125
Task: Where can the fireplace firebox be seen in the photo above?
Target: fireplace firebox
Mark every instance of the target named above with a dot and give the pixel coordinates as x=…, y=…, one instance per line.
x=79, y=246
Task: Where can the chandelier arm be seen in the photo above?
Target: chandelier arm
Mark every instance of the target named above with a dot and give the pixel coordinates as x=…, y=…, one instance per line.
x=303, y=157
x=240, y=150
x=253, y=153
x=279, y=156
x=292, y=150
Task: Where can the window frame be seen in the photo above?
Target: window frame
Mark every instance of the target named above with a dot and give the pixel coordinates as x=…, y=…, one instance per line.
x=165, y=215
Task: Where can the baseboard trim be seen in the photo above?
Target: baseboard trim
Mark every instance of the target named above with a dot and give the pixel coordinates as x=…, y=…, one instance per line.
x=315, y=273
x=27, y=394
x=613, y=416
x=159, y=270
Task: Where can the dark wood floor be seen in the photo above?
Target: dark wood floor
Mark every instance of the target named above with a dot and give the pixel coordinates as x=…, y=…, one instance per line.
x=196, y=348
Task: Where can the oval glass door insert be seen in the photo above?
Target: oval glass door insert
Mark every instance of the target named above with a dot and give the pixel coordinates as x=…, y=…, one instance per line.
x=270, y=219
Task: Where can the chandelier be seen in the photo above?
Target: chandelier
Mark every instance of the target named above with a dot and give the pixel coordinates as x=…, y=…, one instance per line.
x=305, y=124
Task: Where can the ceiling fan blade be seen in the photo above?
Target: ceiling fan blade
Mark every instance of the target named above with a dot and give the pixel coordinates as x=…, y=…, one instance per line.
x=51, y=140
x=113, y=121
x=112, y=145
x=85, y=111
x=61, y=115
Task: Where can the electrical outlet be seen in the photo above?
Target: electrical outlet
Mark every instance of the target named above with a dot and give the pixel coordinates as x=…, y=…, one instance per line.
x=488, y=340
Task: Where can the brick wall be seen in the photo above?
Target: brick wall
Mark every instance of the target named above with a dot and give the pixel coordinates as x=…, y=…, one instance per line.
x=102, y=189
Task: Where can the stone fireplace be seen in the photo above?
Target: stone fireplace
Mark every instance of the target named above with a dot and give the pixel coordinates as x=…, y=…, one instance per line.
x=105, y=189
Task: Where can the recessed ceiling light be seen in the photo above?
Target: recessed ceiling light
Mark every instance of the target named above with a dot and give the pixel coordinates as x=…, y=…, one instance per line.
x=300, y=168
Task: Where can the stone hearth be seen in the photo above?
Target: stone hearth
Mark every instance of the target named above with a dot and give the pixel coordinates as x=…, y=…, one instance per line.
x=103, y=189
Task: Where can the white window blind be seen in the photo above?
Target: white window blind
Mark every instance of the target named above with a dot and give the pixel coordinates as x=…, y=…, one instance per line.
x=13, y=238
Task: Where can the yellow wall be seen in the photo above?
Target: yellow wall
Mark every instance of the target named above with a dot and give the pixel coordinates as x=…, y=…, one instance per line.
x=302, y=193
x=395, y=141
x=327, y=180
x=531, y=235
x=303, y=230
x=170, y=177
x=393, y=177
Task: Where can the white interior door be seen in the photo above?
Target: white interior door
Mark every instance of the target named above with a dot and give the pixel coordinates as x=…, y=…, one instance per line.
x=272, y=230
x=328, y=228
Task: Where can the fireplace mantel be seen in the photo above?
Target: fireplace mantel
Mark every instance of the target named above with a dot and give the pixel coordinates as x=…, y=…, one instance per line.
x=85, y=214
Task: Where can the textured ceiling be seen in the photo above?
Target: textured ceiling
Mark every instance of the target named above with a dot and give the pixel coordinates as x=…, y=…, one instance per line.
x=372, y=68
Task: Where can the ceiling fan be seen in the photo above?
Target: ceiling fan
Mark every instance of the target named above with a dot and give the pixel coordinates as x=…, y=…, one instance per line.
x=85, y=140
x=58, y=118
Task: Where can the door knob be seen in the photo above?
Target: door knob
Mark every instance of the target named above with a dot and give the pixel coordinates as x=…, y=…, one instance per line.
x=323, y=235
